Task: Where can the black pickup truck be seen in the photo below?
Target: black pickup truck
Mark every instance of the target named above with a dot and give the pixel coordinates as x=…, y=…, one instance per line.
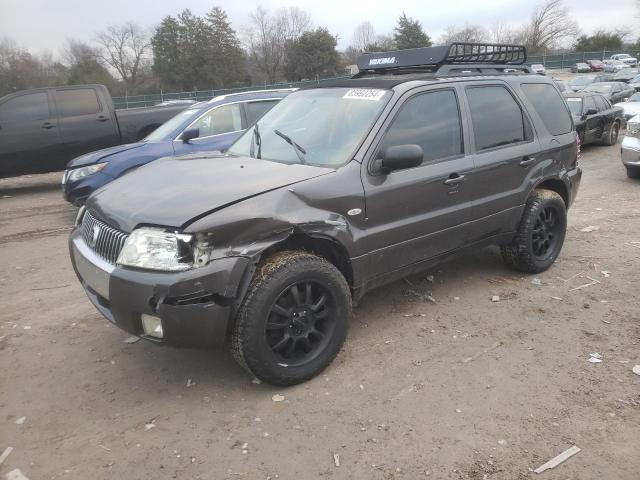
x=42, y=129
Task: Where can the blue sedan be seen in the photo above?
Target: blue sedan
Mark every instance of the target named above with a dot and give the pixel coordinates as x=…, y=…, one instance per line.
x=205, y=126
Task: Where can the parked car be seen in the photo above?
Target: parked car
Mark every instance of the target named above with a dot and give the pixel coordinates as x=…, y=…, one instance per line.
x=595, y=65
x=635, y=83
x=626, y=74
x=580, y=68
x=205, y=126
x=42, y=129
x=603, y=77
x=630, y=150
x=625, y=58
x=631, y=107
x=579, y=83
x=539, y=69
x=337, y=190
x=595, y=119
x=614, y=91
x=614, y=66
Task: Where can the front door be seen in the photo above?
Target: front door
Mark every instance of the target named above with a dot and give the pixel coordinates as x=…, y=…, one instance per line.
x=419, y=213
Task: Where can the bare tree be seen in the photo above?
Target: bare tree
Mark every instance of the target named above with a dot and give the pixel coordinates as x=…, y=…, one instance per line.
x=499, y=32
x=125, y=48
x=550, y=24
x=268, y=36
x=364, y=35
x=468, y=33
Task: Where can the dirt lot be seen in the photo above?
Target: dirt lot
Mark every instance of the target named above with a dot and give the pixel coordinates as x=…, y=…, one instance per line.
x=465, y=388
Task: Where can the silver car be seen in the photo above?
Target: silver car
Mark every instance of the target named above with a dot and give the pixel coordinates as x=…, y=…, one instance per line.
x=631, y=148
x=631, y=107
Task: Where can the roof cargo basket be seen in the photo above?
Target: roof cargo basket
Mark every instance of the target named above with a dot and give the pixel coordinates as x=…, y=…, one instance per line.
x=432, y=58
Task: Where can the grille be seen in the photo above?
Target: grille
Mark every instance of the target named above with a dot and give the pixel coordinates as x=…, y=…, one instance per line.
x=106, y=241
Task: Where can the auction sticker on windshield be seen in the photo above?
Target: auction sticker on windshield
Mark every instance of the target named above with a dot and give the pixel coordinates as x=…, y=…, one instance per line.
x=364, y=94
x=574, y=99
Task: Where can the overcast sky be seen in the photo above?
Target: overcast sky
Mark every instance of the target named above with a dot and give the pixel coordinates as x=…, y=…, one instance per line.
x=45, y=25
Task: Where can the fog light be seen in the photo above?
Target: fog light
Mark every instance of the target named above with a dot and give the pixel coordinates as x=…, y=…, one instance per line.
x=152, y=326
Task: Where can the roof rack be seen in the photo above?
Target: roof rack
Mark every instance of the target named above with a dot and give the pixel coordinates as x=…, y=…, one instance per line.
x=430, y=59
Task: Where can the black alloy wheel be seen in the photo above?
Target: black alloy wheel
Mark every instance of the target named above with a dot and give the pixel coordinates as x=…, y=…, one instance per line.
x=300, y=323
x=544, y=234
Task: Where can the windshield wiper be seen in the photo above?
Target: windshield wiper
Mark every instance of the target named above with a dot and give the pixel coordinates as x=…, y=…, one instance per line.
x=300, y=152
x=255, y=140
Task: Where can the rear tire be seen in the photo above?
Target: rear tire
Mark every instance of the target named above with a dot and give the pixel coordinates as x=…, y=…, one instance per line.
x=293, y=320
x=633, y=172
x=540, y=235
x=612, y=136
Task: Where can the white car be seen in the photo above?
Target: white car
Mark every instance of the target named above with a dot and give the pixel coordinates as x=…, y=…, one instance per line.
x=631, y=107
x=631, y=148
x=538, y=68
x=626, y=58
x=614, y=66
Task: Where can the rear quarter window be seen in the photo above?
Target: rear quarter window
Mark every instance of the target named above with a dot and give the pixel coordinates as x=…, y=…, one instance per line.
x=549, y=106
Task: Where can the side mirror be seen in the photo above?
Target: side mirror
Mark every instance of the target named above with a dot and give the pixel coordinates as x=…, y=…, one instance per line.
x=591, y=111
x=190, y=134
x=400, y=157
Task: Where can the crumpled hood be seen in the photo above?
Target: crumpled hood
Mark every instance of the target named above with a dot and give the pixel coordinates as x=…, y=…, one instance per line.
x=174, y=191
x=99, y=155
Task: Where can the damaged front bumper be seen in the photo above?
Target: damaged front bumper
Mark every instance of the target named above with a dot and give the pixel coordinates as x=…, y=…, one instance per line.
x=194, y=306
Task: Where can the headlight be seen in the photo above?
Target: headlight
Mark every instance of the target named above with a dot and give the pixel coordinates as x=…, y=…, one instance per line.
x=78, y=173
x=158, y=249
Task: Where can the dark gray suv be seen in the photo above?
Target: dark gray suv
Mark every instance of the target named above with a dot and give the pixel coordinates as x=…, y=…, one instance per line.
x=337, y=190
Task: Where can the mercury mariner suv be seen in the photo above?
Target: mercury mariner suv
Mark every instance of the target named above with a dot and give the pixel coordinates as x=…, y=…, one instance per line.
x=339, y=189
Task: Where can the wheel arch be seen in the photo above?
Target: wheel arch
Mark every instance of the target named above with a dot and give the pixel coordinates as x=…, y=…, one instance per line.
x=323, y=246
x=555, y=185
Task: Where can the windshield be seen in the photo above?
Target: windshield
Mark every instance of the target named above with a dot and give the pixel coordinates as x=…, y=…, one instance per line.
x=575, y=105
x=581, y=81
x=167, y=128
x=322, y=126
x=635, y=97
x=599, y=88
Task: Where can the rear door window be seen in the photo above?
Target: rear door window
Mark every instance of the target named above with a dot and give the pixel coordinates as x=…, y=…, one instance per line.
x=255, y=110
x=25, y=108
x=496, y=116
x=73, y=103
x=431, y=120
x=549, y=105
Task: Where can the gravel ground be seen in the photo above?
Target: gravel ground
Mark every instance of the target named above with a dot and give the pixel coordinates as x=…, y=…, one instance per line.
x=465, y=388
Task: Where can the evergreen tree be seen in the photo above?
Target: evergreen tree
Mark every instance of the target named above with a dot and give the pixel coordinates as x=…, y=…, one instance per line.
x=312, y=54
x=226, y=57
x=409, y=33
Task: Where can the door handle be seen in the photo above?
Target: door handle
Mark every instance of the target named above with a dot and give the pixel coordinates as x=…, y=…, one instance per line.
x=454, y=179
x=526, y=161
x=102, y=118
x=47, y=125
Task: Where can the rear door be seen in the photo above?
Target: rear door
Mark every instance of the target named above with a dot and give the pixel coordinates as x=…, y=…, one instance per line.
x=419, y=213
x=86, y=123
x=219, y=127
x=505, y=155
x=29, y=137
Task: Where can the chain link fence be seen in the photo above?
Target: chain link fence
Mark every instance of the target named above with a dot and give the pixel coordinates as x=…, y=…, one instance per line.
x=555, y=61
x=203, y=95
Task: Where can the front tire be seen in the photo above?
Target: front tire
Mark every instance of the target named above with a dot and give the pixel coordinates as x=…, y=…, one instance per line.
x=633, y=172
x=540, y=235
x=612, y=136
x=293, y=320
